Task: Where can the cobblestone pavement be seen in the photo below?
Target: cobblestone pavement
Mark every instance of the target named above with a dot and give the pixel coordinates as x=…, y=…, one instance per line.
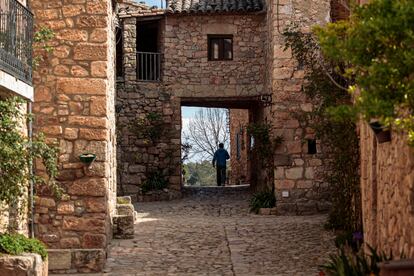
x=209, y=234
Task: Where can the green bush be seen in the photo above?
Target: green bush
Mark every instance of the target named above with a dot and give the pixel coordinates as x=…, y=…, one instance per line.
x=155, y=182
x=16, y=244
x=262, y=200
x=355, y=264
x=376, y=48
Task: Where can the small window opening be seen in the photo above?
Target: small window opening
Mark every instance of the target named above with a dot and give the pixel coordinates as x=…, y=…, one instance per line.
x=312, y=146
x=220, y=47
x=148, y=53
x=119, y=54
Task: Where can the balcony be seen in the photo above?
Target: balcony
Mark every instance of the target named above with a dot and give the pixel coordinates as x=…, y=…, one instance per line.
x=148, y=66
x=16, y=36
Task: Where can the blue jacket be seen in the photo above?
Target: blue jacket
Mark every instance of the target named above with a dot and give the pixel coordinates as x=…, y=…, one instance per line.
x=220, y=157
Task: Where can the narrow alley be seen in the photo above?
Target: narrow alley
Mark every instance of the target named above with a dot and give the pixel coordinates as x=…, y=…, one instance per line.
x=211, y=232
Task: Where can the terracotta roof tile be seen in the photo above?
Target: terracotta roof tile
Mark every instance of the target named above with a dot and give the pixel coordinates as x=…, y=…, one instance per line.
x=214, y=6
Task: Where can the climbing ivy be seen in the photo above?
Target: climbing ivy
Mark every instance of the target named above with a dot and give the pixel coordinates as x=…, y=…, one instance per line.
x=41, y=47
x=375, y=49
x=17, y=152
x=151, y=127
x=264, y=145
x=263, y=148
x=323, y=86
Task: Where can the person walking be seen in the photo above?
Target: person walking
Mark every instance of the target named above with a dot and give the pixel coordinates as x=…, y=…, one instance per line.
x=219, y=162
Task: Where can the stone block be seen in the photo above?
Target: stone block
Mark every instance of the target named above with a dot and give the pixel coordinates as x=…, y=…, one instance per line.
x=90, y=52
x=88, y=260
x=282, y=160
x=26, y=264
x=90, y=240
x=125, y=209
x=60, y=259
x=90, y=224
x=123, y=227
x=81, y=86
x=88, y=186
x=306, y=208
x=294, y=173
x=286, y=209
x=95, y=205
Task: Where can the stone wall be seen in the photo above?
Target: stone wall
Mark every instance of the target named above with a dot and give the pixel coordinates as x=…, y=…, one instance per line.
x=187, y=70
x=74, y=107
x=298, y=184
x=387, y=190
x=239, y=142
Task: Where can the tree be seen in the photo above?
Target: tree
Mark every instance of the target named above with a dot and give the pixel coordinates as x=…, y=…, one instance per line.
x=376, y=47
x=206, y=131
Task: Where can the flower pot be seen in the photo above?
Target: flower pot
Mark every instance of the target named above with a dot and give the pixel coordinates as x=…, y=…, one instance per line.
x=382, y=132
x=87, y=158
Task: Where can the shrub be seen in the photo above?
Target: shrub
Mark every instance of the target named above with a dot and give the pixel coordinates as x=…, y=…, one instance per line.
x=262, y=200
x=355, y=264
x=16, y=244
x=155, y=182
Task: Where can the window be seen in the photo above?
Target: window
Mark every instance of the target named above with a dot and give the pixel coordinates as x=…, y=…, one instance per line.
x=220, y=47
x=312, y=146
x=148, y=51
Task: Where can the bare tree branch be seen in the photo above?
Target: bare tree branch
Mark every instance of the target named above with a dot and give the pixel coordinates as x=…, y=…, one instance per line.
x=206, y=131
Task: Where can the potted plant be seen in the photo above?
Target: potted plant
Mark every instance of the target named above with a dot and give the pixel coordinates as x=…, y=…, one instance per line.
x=87, y=158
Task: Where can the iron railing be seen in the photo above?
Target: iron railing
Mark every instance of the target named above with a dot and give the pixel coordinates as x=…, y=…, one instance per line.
x=148, y=66
x=16, y=36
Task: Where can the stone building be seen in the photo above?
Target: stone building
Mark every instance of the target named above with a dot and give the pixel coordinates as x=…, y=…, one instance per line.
x=74, y=107
x=16, y=80
x=212, y=54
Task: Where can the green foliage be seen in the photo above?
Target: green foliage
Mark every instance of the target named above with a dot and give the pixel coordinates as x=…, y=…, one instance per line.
x=265, y=199
x=155, y=182
x=151, y=127
x=355, y=264
x=16, y=244
x=376, y=45
x=41, y=39
x=323, y=86
x=263, y=144
x=200, y=174
x=121, y=200
x=16, y=153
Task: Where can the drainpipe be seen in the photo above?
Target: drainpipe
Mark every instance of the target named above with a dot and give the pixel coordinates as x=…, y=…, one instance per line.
x=31, y=196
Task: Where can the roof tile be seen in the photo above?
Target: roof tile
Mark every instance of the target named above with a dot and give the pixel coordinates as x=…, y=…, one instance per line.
x=214, y=6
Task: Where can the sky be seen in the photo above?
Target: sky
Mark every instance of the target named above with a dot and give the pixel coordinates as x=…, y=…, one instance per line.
x=152, y=2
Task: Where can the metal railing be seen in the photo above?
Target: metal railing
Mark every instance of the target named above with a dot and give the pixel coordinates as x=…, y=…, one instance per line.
x=16, y=36
x=148, y=66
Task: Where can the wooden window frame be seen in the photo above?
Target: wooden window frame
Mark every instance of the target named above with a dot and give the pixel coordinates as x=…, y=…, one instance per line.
x=221, y=47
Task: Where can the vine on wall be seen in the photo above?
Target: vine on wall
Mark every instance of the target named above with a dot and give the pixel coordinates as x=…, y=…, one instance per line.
x=16, y=153
x=150, y=128
x=323, y=86
x=263, y=148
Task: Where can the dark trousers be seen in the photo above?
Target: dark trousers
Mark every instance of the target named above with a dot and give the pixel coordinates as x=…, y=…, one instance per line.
x=221, y=175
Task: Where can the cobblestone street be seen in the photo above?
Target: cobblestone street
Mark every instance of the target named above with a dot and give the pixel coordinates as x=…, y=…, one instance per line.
x=209, y=234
